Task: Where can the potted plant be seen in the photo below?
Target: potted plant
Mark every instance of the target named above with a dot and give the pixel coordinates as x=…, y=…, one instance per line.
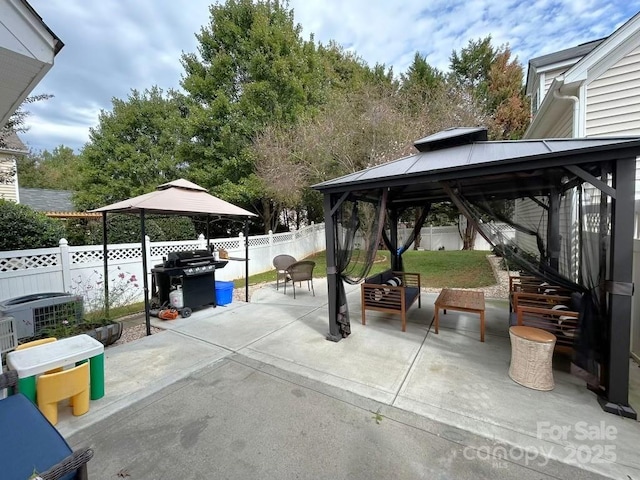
x=107, y=331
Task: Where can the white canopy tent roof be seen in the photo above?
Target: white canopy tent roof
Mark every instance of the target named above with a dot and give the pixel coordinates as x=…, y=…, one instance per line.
x=179, y=197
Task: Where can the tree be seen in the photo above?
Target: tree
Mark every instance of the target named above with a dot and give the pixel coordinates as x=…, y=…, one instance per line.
x=420, y=81
x=17, y=121
x=25, y=228
x=133, y=149
x=15, y=124
x=506, y=97
x=495, y=80
x=471, y=66
x=125, y=228
x=253, y=70
x=57, y=170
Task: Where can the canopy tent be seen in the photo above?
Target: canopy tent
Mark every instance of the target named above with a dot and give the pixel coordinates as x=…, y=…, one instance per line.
x=459, y=165
x=179, y=197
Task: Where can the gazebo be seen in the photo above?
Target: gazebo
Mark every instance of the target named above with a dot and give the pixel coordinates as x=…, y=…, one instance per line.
x=179, y=197
x=593, y=176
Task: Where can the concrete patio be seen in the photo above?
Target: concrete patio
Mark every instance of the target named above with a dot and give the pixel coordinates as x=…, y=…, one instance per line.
x=450, y=387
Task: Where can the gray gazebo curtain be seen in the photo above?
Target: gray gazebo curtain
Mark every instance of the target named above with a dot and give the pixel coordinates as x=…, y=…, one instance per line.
x=562, y=238
x=357, y=230
x=396, y=252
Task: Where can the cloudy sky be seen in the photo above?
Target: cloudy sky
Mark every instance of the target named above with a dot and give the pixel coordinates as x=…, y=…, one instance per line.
x=112, y=46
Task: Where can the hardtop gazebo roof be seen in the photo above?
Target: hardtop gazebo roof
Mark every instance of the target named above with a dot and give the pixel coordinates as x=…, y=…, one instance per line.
x=481, y=167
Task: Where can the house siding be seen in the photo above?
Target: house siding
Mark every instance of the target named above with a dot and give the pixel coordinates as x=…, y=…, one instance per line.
x=563, y=128
x=8, y=191
x=528, y=213
x=550, y=76
x=613, y=99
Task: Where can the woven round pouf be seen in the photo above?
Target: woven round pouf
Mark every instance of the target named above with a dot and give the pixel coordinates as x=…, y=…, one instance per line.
x=531, y=356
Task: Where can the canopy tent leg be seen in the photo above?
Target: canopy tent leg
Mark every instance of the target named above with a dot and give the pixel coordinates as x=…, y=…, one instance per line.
x=105, y=264
x=621, y=275
x=147, y=318
x=246, y=261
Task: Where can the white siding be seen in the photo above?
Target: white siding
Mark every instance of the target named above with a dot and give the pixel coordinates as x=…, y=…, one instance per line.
x=529, y=214
x=563, y=128
x=613, y=99
x=7, y=190
x=550, y=76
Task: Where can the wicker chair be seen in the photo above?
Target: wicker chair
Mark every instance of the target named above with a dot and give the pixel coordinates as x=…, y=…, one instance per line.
x=281, y=263
x=300, y=272
x=32, y=443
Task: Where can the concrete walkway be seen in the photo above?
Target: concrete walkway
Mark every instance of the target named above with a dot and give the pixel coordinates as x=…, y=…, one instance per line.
x=255, y=391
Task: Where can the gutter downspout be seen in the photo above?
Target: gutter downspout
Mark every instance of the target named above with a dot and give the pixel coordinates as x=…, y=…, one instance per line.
x=576, y=110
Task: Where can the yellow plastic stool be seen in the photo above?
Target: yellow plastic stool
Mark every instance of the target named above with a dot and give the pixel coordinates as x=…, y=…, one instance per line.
x=72, y=383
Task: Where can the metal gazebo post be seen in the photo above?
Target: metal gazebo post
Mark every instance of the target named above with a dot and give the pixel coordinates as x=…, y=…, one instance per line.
x=145, y=280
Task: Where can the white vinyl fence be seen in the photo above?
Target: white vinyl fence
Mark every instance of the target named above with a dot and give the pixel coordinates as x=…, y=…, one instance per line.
x=79, y=270
x=448, y=238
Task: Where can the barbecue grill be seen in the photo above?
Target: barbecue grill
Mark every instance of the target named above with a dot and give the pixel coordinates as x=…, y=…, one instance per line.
x=192, y=270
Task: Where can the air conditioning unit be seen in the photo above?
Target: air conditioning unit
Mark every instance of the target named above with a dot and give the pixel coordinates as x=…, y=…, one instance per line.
x=33, y=314
x=8, y=337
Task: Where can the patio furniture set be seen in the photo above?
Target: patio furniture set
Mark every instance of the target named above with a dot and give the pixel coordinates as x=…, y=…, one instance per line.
x=544, y=318
x=288, y=269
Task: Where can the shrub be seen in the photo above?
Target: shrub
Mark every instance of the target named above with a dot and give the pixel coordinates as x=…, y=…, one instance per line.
x=123, y=228
x=23, y=228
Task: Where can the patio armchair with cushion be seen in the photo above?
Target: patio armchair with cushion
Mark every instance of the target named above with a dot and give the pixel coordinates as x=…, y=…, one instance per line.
x=390, y=292
x=557, y=314
x=534, y=285
x=281, y=262
x=300, y=272
x=30, y=445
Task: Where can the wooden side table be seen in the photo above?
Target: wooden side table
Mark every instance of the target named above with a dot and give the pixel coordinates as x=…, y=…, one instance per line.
x=460, y=300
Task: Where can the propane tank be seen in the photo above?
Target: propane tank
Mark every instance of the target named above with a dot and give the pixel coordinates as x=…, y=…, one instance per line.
x=176, y=298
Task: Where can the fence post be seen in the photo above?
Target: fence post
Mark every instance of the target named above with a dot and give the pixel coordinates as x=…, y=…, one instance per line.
x=65, y=263
x=431, y=236
x=271, y=255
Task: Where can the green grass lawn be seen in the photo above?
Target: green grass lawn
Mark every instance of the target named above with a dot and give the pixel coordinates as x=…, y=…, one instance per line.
x=439, y=269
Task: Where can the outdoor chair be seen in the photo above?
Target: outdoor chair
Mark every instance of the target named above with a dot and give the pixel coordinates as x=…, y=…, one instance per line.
x=300, y=272
x=557, y=314
x=532, y=284
x=72, y=384
x=30, y=444
x=281, y=263
x=390, y=292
